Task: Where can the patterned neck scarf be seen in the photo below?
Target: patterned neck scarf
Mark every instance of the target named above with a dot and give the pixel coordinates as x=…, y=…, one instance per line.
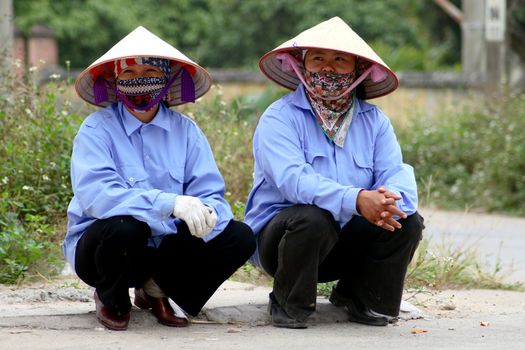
x=332, y=116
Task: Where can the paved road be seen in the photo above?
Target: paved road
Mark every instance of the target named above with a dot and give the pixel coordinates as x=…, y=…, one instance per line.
x=496, y=238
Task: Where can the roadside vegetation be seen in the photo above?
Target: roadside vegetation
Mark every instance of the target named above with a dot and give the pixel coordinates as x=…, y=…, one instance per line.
x=470, y=158
x=465, y=159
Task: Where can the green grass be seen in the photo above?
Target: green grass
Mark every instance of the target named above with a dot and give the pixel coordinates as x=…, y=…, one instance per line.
x=445, y=266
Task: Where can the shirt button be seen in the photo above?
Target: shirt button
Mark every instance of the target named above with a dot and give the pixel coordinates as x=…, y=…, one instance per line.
x=131, y=179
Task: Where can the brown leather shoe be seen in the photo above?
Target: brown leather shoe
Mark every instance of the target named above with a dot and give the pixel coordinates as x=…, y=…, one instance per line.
x=108, y=319
x=161, y=308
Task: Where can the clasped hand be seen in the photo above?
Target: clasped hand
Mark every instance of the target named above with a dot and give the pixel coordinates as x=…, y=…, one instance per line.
x=199, y=218
x=379, y=207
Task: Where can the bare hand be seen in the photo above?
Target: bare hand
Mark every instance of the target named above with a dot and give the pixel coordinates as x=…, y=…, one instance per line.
x=379, y=207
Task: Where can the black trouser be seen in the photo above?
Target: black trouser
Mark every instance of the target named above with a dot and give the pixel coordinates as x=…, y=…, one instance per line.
x=303, y=245
x=113, y=256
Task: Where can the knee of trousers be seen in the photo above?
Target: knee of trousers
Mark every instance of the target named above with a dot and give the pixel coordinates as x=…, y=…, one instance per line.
x=244, y=239
x=313, y=224
x=413, y=228
x=128, y=231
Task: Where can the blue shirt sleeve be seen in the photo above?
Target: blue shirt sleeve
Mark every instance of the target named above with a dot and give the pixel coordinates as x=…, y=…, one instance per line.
x=281, y=158
x=101, y=191
x=205, y=181
x=390, y=171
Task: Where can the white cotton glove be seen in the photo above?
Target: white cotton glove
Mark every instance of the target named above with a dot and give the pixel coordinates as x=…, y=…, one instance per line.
x=211, y=219
x=199, y=218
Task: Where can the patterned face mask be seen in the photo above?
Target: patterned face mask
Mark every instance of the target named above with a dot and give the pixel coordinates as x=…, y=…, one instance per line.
x=329, y=89
x=329, y=84
x=141, y=91
x=331, y=100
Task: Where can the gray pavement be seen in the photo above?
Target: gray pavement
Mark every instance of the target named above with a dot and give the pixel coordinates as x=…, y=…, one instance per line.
x=60, y=314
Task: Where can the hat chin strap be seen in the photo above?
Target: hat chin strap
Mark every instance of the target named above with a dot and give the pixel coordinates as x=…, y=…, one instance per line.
x=289, y=63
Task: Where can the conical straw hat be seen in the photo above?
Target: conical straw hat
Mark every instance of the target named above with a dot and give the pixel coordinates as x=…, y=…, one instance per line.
x=333, y=34
x=141, y=43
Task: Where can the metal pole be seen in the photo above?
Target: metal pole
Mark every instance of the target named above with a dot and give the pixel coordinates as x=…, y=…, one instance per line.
x=473, y=51
x=495, y=34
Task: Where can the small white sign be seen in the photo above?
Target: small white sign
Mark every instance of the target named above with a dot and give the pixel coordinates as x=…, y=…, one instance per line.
x=495, y=18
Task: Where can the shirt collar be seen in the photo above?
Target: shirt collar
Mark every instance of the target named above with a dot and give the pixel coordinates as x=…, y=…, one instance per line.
x=299, y=98
x=131, y=124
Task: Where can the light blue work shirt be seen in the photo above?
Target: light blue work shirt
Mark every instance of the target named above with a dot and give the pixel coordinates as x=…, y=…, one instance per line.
x=121, y=166
x=295, y=163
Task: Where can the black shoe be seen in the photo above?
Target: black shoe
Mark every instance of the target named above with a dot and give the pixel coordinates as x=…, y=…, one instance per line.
x=390, y=319
x=280, y=318
x=358, y=311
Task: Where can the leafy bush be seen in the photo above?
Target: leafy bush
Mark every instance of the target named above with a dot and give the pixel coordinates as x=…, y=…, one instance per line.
x=470, y=159
x=36, y=132
x=411, y=58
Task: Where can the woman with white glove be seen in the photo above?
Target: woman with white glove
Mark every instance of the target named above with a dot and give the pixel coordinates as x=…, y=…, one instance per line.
x=148, y=196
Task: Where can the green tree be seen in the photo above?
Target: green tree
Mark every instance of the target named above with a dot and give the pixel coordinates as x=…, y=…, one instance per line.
x=227, y=33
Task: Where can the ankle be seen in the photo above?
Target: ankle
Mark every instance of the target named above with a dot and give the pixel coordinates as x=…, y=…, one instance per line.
x=152, y=289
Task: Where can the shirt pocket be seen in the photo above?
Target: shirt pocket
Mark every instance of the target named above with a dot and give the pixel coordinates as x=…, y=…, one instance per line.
x=364, y=175
x=176, y=180
x=314, y=157
x=318, y=161
x=134, y=176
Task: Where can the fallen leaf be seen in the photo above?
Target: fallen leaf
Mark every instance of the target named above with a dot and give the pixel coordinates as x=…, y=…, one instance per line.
x=234, y=330
x=416, y=331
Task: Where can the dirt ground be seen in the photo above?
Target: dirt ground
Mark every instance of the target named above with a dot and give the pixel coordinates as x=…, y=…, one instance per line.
x=432, y=303
x=465, y=303
x=59, y=314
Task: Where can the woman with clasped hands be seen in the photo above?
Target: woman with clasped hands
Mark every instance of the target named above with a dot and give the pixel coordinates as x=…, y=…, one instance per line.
x=332, y=198
x=148, y=210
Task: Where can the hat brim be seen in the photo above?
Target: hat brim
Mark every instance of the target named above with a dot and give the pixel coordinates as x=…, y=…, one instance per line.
x=142, y=43
x=333, y=34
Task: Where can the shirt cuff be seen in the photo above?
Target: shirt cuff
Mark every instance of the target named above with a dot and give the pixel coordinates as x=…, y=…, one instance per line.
x=349, y=205
x=165, y=204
